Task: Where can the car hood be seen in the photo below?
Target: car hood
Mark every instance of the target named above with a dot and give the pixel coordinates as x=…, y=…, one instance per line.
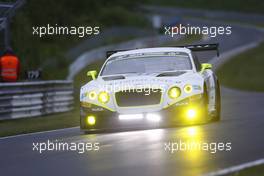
x=145, y=81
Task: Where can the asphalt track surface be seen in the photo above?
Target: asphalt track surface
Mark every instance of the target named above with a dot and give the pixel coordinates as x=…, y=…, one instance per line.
x=143, y=152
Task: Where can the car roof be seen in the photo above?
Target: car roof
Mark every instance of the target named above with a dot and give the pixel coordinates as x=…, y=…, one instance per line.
x=151, y=50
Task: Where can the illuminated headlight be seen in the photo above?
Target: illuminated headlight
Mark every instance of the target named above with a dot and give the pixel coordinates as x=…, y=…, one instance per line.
x=188, y=88
x=92, y=95
x=130, y=116
x=90, y=120
x=153, y=117
x=174, y=92
x=191, y=113
x=103, y=97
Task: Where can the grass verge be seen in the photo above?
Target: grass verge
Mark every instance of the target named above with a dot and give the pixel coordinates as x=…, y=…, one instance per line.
x=244, y=71
x=35, y=124
x=251, y=6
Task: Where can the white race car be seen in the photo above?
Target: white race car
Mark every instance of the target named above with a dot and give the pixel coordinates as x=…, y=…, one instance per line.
x=151, y=87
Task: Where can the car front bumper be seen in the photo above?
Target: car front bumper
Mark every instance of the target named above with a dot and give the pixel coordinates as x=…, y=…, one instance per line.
x=184, y=112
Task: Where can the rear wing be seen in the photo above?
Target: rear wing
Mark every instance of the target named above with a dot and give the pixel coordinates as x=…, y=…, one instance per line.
x=203, y=47
x=198, y=47
x=109, y=53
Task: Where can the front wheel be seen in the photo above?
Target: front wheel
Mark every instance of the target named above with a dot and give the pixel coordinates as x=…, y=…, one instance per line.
x=217, y=115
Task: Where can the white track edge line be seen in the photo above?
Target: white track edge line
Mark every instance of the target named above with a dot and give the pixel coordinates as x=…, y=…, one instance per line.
x=40, y=132
x=236, y=168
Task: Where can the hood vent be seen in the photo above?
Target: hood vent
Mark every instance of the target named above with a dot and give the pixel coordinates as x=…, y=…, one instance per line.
x=166, y=74
x=110, y=78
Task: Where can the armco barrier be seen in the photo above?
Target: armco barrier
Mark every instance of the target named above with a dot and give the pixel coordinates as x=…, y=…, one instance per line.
x=30, y=99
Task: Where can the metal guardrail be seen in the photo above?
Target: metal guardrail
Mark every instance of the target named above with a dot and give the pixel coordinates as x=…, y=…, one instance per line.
x=30, y=99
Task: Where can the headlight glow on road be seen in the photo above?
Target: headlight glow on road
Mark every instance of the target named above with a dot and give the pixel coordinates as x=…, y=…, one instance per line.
x=91, y=120
x=192, y=131
x=103, y=97
x=174, y=92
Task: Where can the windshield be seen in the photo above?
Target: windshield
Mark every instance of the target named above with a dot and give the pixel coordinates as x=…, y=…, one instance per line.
x=147, y=64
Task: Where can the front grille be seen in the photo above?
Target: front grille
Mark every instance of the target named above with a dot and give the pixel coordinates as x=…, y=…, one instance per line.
x=135, y=98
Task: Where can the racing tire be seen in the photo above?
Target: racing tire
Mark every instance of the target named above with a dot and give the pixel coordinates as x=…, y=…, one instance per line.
x=206, y=104
x=217, y=116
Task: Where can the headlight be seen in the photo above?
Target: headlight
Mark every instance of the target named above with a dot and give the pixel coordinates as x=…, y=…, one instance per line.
x=191, y=113
x=90, y=120
x=92, y=95
x=187, y=88
x=103, y=97
x=174, y=92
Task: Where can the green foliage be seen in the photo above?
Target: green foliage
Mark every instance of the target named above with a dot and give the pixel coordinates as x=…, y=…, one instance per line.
x=245, y=71
x=252, y=6
x=36, y=52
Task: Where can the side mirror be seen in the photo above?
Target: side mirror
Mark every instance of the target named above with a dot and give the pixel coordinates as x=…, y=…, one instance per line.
x=92, y=73
x=206, y=66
